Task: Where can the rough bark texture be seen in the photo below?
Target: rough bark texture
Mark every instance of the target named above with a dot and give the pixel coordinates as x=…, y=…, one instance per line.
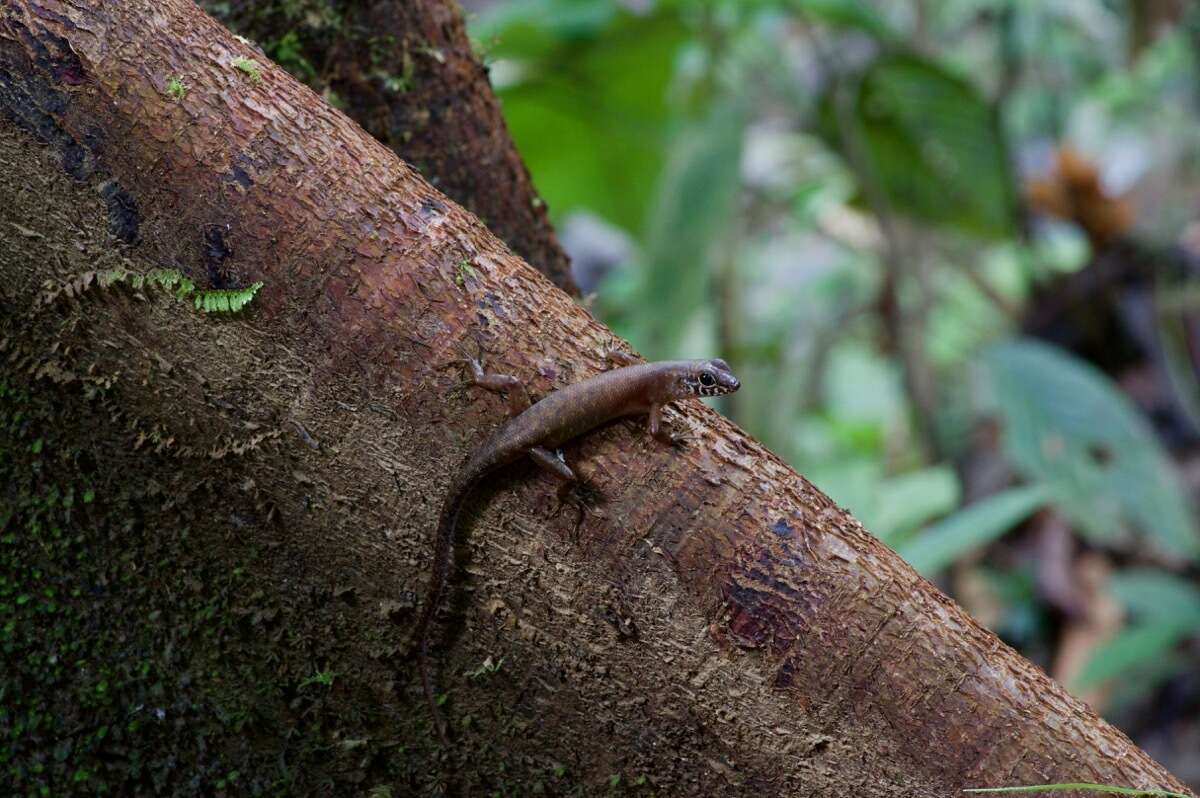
x=709, y=619
x=407, y=73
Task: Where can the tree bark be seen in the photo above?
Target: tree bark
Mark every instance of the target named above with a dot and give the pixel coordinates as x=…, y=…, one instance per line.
x=707, y=618
x=407, y=73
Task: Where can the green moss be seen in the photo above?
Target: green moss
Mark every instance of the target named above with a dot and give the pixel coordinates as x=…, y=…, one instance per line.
x=462, y=270
x=176, y=88
x=248, y=67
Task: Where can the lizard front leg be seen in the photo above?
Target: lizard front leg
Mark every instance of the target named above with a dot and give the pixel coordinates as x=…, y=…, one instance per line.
x=658, y=429
x=518, y=396
x=615, y=357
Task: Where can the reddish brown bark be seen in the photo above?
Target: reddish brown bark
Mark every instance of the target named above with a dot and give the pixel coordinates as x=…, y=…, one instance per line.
x=711, y=619
x=406, y=72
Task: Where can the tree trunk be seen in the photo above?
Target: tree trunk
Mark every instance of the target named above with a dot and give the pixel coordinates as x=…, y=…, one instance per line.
x=407, y=73
x=705, y=617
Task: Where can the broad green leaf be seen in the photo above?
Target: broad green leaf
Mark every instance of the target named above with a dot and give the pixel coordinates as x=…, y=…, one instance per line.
x=1066, y=425
x=851, y=482
x=930, y=141
x=594, y=134
x=908, y=500
x=1139, y=685
x=863, y=386
x=975, y=525
x=1154, y=595
x=886, y=507
x=1132, y=647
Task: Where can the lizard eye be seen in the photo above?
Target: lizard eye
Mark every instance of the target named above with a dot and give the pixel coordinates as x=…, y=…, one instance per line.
x=707, y=380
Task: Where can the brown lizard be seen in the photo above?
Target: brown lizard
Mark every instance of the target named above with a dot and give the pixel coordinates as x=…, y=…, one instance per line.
x=536, y=430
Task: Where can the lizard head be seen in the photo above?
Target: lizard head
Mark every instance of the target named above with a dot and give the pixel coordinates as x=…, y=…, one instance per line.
x=708, y=378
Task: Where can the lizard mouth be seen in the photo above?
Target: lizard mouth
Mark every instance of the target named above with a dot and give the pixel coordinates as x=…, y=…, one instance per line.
x=719, y=390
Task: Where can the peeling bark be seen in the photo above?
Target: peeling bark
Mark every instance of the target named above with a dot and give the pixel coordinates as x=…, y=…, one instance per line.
x=438, y=114
x=708, y=618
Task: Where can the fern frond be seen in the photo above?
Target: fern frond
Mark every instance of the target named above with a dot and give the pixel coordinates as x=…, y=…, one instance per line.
x=171, y=280
x=110, y=277
x=225, y=300
x=216, y=300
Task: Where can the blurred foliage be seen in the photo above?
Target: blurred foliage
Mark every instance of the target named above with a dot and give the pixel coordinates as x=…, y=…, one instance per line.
x=1165, y=610
x=828, y=194
x=978, y=524
x=1065, y=426
x=929, y=140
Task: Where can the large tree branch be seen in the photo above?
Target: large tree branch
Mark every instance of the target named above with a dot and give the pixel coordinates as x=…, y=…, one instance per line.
x=405, y=70
x=711, y=618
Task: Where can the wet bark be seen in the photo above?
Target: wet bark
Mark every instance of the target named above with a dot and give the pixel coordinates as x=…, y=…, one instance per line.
x=704, y=616
x=407, y=73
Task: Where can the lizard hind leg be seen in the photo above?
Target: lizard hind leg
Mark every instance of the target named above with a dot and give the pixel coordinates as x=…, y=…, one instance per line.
x=553, y=463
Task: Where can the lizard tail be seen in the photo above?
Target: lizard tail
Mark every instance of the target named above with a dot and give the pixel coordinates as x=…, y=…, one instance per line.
x=443, y=563
x=439, y=723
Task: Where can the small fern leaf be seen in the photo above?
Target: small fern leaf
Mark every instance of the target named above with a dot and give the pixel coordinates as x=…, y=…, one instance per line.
x=225, y=300
x=110, y=277
x=166, y=279
x=184, y=288
x=218, y=300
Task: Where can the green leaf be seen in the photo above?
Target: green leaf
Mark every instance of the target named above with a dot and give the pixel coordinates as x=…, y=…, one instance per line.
x=975, y=525
x=1132, y=647
x=225, y=300
x=1155, y=595
x=846, y=14
x=909, y=500
x=861, y=385
x=930, y=141
x=1087, y=786
x=1066, y=425
x=595, y=135
x=288, y=52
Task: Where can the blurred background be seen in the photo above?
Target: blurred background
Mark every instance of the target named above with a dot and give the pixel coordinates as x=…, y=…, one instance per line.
x=952, y=248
